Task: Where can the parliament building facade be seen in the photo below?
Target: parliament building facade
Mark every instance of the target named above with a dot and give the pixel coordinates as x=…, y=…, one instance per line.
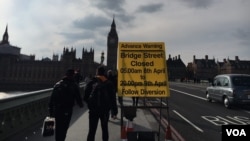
x=22, y=72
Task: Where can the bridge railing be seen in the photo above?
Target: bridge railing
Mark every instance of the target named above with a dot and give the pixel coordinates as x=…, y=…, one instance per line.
x=24, y=110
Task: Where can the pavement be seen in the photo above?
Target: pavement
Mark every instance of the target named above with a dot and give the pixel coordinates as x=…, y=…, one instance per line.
x=144, y=122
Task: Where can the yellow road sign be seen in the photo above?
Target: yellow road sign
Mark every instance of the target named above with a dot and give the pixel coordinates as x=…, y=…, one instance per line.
x=142, y=70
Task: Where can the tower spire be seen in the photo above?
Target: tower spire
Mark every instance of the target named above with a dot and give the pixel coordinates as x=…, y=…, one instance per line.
x=113, y=23
x=5, y=36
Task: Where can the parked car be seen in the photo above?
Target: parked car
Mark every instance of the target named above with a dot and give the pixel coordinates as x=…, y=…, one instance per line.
x=231, y=89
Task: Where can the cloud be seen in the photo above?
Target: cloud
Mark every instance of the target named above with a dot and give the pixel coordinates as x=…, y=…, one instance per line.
x=91, y=22
x=74, y=36
x=125, y=18
x=115, y=8
x=198, y=3
x=243, y=35
x=150, y=8
x=109, y=5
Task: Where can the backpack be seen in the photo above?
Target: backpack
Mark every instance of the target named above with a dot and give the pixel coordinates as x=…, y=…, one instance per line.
x=99, y=98
x=64, y=93
x=62, y=97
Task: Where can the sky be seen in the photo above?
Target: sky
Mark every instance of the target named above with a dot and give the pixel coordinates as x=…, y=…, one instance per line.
x=217, y=28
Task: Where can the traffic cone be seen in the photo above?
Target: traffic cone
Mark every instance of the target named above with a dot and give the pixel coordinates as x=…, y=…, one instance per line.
x=168, y=136
x=129, y=127
x=123, y=134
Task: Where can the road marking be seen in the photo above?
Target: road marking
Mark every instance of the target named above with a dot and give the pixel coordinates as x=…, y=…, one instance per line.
x=163, y=103
x=186, y=86
x=218, y=120
x=189, y=94
x=189, y=84
x=198, y=97
x=196, y=127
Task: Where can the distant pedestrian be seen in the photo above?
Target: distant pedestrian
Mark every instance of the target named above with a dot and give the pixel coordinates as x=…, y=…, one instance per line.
x=78, y=76
x=113, y=78
x=64, y=95
x=101, y=98
x=135, y=101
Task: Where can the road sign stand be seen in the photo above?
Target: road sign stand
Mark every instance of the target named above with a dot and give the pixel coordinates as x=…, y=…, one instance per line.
x=168, y=136
x=129, y=112
x=142, y=72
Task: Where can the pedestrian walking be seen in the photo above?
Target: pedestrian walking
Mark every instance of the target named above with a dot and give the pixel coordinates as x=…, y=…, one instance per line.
x=78, y=76
x=64, y=95
x=135, y=101
x=101, y=98
x=113, y=79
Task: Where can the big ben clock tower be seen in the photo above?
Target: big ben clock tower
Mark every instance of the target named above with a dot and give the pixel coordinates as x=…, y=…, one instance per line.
x=112, y=45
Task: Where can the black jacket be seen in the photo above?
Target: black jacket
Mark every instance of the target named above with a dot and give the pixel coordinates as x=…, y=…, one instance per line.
x=64, y=95
x=111, y=91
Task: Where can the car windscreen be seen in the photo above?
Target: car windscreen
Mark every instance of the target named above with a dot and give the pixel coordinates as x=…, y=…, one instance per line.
x=241, y=80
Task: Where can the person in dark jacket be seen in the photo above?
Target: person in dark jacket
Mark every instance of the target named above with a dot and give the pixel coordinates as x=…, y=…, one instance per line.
x=102, y=113
x=64, y=95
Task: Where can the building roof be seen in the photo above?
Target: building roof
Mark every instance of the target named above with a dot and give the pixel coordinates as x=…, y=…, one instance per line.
x=9, y=49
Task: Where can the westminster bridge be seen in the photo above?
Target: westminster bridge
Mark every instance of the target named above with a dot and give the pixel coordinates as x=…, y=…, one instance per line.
x=24, y=110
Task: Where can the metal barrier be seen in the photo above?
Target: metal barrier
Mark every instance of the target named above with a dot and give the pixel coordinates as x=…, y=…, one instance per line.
x=24, y=110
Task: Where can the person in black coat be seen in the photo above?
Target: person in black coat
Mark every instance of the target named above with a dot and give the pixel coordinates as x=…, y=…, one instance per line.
x=107, y=91
x=64, y=95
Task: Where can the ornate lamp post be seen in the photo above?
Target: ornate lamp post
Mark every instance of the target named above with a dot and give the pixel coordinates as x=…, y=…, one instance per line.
x=102, y=58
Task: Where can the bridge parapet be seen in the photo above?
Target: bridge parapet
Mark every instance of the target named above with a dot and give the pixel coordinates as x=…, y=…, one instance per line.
x=24, y=111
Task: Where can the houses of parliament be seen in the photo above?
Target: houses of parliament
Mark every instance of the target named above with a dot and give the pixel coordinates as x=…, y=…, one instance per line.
x=22, y=72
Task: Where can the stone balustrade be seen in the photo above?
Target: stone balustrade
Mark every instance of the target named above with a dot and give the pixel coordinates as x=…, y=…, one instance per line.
x=24, y=110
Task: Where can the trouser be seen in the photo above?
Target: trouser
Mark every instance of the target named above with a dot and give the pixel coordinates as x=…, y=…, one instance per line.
x=62, y=124
x=120, y=100
x=135, y=101
x=93, y=123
